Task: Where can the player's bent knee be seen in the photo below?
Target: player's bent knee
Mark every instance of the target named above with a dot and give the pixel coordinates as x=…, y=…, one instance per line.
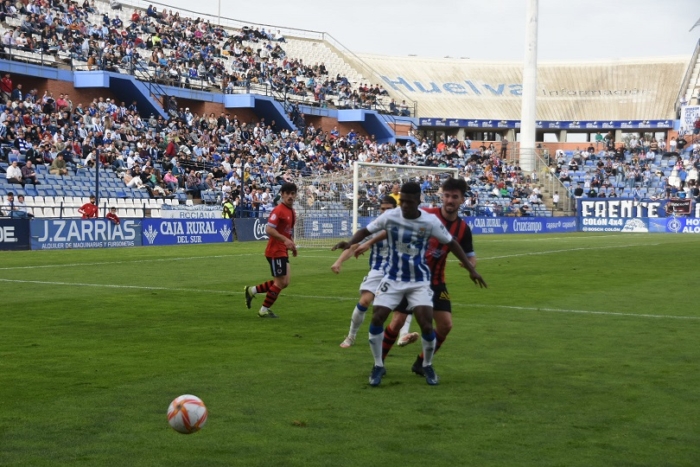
x=443, y=322
x=366, y=299
x=379, y=315
x=424, y=318
x=281, y=282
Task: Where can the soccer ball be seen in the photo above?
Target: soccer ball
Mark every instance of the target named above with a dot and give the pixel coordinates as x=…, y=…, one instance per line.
x=187, y=414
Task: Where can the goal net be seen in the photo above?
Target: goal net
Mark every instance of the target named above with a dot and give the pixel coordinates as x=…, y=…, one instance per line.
x=331, y=207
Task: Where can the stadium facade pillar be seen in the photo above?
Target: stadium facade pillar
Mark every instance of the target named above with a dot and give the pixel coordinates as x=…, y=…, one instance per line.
x=528, y=113
x=562, y=136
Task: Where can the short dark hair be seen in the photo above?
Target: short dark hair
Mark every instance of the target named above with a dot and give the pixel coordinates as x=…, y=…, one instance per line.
x=288, y=188
x=455, y=184
x=389, y=200
x=410, y=188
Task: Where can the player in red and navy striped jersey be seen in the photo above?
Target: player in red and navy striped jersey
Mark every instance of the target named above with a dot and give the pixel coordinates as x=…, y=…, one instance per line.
x=280, y=230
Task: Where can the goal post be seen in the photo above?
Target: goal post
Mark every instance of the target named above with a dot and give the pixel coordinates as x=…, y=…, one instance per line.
x=364, y=171
x=331, y=207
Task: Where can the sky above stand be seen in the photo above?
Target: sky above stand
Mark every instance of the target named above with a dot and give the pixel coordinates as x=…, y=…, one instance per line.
x=482, y=30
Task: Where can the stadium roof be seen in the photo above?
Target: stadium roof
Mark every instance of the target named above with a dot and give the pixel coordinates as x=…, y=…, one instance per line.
x=635, y=89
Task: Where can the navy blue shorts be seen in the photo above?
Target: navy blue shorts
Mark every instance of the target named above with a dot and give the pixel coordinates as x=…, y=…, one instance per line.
x=278, y=266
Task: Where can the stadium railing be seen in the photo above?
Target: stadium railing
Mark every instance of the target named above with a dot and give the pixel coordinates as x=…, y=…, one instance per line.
x=37, y=57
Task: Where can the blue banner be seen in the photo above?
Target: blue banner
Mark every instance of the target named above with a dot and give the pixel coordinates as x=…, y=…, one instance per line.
x=186, y=232
x=250, y=229
x=14, y=234
x=365, y=220
x=675, y=225
x=59, y=234
x=517, y=225
x=547, y=124
x=328, y=227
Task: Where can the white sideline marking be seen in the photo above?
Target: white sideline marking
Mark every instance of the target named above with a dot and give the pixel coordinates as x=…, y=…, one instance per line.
x=534, y=253
x=155, y=260
x=320, y=297
x=487, y=238
x=587, y=312
x=546, y=252
x=188, y=258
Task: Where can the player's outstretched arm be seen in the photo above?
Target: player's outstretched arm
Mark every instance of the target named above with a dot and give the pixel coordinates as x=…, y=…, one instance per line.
x=344, y=256
x=472, y=260
x=364, y=246
x=356, y=238
x=457, y=250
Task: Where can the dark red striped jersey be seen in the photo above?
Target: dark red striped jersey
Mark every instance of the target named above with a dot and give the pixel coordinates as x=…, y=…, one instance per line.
x=282, y=218
x=436, y=254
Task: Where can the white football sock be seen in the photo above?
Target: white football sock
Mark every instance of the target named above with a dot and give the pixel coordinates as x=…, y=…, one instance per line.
x=356, y=321
x=428, y=350
x=375, y=345
x=406, y=326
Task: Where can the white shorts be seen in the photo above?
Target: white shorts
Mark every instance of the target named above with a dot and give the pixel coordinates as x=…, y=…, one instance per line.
x=372, y=280
x=390, y=293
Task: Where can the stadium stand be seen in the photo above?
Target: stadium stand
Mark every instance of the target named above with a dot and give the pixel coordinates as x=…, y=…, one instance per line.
x=148, y=162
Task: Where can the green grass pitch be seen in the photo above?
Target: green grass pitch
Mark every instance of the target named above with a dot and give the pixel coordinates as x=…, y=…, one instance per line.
x=583, y=351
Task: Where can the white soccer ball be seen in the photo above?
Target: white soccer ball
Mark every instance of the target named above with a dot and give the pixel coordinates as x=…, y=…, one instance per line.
x=187, y=414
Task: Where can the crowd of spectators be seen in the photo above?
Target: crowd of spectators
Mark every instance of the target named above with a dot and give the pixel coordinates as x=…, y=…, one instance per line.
x=219, y=154
x=177, y=50
x=639, y=167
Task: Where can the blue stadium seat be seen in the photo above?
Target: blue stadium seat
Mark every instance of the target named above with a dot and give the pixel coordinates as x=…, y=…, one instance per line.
x=12, y=157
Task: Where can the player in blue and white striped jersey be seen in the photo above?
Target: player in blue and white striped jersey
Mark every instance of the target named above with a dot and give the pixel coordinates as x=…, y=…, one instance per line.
x=378, y=255
x=407, y=274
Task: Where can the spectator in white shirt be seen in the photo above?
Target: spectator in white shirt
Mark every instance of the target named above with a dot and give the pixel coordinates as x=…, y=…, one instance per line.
x=14, y=173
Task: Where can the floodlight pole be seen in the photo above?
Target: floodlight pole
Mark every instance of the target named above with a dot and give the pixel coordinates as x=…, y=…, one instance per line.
x=528, y=158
